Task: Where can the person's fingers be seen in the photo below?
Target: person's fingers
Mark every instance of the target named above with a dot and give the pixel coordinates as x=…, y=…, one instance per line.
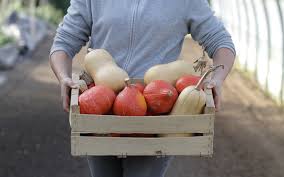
x=217, y=97
x=70, y=83
x=65, y=98
x=211, y=84
x=205, y=83
x=216, y=89
x=65, y=89
x=217, y=101
x=66, y=104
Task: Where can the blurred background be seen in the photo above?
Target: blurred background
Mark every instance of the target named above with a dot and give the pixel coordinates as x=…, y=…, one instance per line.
x=249, y=131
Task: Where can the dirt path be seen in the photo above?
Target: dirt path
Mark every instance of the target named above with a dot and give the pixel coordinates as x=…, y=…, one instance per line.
x=34, y=131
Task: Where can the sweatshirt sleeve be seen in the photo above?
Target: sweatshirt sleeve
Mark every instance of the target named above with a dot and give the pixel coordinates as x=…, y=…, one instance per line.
x=206, y=28
x=75, y=29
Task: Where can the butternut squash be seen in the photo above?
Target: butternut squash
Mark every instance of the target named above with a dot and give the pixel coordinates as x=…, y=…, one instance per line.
x=100, y=65
x=170, y=72
x=192, y=99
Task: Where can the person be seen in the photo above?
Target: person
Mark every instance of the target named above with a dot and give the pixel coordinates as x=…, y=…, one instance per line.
x=138, y=34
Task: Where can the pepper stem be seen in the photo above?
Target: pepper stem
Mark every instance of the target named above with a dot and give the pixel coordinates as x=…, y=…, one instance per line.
x=213, y=68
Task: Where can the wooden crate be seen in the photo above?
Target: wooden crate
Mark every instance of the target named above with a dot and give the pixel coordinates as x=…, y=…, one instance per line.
x=83, y=124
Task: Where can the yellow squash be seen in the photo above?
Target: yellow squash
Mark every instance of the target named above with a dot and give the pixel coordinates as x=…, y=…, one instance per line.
x=100, y=65
x=192, y=99
x=170, y=72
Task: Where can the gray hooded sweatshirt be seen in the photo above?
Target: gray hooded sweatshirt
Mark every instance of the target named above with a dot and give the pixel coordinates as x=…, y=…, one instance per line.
x=140, y=33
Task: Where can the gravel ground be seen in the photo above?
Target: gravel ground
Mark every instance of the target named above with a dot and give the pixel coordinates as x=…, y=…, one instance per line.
x=34, y=131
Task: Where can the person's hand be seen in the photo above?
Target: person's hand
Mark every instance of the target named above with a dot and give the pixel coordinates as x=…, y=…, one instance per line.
x=66, y=85
x=216, y=86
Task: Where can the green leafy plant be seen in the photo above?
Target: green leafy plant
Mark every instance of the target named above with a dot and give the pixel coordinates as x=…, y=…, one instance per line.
x=10, y=7
x=5, y=39
x=49, y=14
x=62, y=4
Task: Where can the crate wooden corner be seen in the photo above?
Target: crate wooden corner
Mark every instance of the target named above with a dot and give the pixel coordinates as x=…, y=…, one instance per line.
x=130, y=146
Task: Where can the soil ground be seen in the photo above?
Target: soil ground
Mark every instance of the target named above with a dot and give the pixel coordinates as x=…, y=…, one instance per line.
x=35, y=142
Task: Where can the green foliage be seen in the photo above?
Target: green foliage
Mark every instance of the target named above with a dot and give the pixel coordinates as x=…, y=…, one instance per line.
x=15, y=6
x=49, y=14
x=5, y=39
x=62, y=4
x=209, y=1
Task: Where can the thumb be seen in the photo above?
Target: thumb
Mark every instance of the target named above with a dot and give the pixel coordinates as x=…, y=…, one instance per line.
x=70, y=83
x=211, y=84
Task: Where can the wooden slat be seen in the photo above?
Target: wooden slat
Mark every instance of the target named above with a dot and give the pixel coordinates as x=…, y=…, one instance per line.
x=151, y=124
x=101, y=146
x=74, y=92
x=210, y=106
x=74, y=105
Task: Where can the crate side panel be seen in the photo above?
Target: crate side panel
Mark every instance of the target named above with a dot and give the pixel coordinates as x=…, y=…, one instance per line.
x=210, y=105
x=100, y=146
x=152, y=124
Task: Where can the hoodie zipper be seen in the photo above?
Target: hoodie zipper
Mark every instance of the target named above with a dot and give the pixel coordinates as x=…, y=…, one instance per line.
x=132, y=34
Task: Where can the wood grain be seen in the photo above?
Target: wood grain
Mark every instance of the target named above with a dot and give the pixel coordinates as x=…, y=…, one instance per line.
x=74, y=105
x=149, y=124
x=210, y=106
x=101, y=146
